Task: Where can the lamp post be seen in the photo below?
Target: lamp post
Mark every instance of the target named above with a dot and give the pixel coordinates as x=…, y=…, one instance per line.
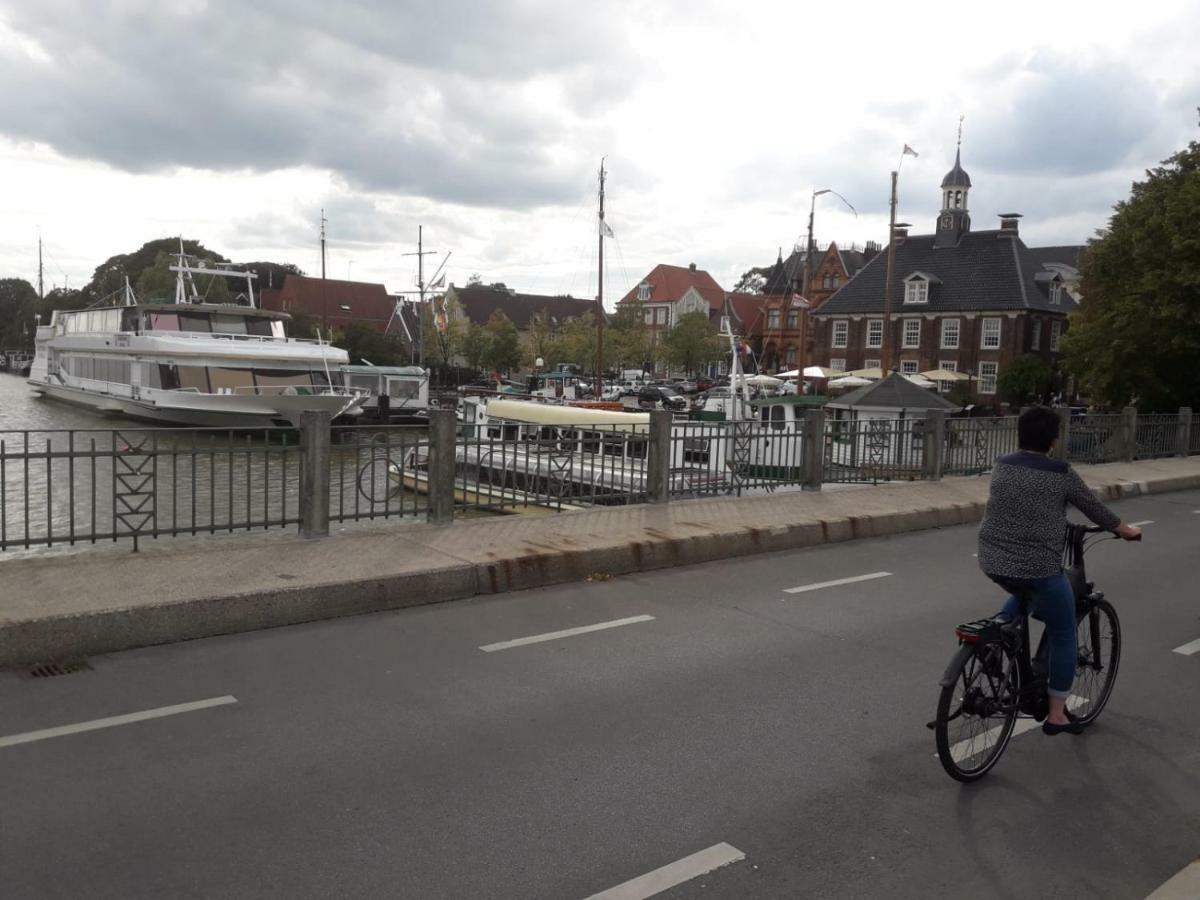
x=808, y=252
x=886, y=362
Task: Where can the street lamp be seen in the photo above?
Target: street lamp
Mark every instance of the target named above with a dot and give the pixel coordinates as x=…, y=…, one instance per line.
x=886, y=362
x=808, y=252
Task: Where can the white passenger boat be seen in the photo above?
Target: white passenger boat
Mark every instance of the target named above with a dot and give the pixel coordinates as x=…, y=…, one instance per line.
x=189, y=362
x=405, y=387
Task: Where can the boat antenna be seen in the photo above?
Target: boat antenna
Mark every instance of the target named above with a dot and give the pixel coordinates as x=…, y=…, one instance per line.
x=325, y=361
x=601, y=228
x=130, y=299
x=41, y=283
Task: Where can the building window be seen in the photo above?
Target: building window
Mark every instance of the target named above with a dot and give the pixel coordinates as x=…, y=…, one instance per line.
x=793, y=319
x=990, y=338
x=773, y=319
x=874, y=333
x=1035, y=335
x=649, y=315
x=987, y=377
x=837, y=280
x=909, y=366
x=643, y=292
x=827, y=280
x=838, y=365
x=789, y=356
x=841, y=334
x=663, y=316
x=1055, y=292
x=950, y=334
x=916, y=291
x=1055, y=334
x=872, y=364
x=912, y=334
x=948, y=365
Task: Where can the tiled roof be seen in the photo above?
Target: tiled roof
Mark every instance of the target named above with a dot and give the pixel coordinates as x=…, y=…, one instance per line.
x=893, y=392
x=669, y=283
x=479, y=301
x=986, y=270
x=339, y=302
x=749, y=310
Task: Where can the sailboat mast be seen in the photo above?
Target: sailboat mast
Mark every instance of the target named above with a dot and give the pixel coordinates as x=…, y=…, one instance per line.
x=600, y=295
x=41, y=283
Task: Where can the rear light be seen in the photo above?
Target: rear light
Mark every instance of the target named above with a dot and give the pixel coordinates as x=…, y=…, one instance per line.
x=967, y=637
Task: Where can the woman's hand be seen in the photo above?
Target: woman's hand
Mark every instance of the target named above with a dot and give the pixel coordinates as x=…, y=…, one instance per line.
x=1129, y=532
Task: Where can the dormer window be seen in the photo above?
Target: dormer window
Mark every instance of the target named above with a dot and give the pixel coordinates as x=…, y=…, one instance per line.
x=916, y=291
x=643, y=292
x=1055, y=292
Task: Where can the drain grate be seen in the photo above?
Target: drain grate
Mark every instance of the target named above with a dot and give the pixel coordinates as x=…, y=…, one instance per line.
x=53, y=669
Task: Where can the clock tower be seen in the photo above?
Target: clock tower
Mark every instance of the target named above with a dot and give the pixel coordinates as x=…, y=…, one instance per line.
x=954, y=221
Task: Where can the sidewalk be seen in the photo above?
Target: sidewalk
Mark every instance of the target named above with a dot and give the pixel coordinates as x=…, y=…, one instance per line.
x=68, y=607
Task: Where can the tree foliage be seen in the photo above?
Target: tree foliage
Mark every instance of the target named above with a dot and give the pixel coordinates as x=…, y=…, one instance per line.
x=1026, y=379
x=368, y=346
x=474, y=346
x=503, y=346
x=1136, y=338
x=752, y=281
x=109, y=277
x=692, y=343
x=18, y=309
x=158, y=282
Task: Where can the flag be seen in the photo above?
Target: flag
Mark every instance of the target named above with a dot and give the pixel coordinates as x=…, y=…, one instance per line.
x=440, y=283
x=605, y=231
x=797, y=300
x=909, y=151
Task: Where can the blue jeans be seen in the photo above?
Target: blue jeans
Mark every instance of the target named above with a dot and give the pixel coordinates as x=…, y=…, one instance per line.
x=1052, y=602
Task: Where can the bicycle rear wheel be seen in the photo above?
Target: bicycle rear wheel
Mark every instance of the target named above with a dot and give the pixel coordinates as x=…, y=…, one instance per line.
x=977, y=709
x=1099, y=635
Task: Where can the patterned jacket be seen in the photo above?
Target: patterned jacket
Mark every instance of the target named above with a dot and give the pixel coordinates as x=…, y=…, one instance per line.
x=1023, y=529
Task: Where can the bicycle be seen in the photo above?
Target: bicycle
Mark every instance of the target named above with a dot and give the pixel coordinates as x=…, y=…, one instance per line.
x=993, y=678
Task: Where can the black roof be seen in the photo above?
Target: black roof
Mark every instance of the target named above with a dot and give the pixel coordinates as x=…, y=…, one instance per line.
x=479, y=301
x=957, y=177
x=986, y=270
x=894, y=392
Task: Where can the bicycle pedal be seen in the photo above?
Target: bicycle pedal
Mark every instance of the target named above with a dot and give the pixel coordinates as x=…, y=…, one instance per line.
x=932, y=726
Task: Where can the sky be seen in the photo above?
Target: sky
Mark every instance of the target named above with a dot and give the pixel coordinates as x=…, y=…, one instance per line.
x=237, y=123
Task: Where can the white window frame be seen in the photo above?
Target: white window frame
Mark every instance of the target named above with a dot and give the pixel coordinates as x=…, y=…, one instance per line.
x=1035, y=336
x=872, y=364
x=872, y=326
x=987, y=331
x=789, y=355
x=987, y=379
x=957, y=331
x=916, y=291
x=947, y=365
x=1055, y=335
x=906, y=344
x=773, y=319
x=837, y=365
x=840, y=335
x=1056, y=292
x=910, y=366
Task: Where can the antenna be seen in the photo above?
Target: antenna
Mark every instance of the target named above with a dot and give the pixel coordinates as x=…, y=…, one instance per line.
x=41, y=284
x=323, y=221
x=960, y=121
x=420, y=255
x=600, y=294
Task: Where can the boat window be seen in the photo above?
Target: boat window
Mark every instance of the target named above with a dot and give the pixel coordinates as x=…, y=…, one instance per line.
x=778, y=415
x=228, y=381
x=591, y=442
x=614, y=444
x=512, y=432
x=277, y=328
x=163, y=321
x=368, y=383
x=194, y=322
x=152, y=375
x=403, y=388
x=764, y=414
x=168, y=378
x=193, y=378
x=568, y=438
x=637, y=448
x=228, y=324
x=319, y=378
x=115, y=371
x=548, y=434
x=274, y=381
x=129, y=319
x=259, y=327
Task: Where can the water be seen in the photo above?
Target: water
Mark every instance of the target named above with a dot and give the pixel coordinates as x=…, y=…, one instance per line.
x=20, y=409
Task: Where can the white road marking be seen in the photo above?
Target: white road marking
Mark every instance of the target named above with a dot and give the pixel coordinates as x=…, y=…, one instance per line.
x=964, y=749
x=673, y=874
x=1184, y=885
x=804, y=588
x=112, y=721
x=1140, y=524
x=567, y=632
x=1191, y=648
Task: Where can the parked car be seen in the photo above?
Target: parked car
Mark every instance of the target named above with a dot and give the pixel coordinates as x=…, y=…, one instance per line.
x=666, y=395
x=703, y=383
x=685, y=385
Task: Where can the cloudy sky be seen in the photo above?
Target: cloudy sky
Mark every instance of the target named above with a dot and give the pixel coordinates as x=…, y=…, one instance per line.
x=235, y=123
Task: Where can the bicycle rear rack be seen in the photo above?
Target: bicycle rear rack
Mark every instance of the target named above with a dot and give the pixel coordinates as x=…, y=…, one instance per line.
x=981, y=631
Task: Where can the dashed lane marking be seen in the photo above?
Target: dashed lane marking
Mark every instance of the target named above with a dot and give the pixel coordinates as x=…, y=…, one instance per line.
x=804, y=588
x=965, y=749
x=1191, y=648
x=1184, y=885
x=1140, y=524
x=673, y=874
x=112, y=721
x=566, y=632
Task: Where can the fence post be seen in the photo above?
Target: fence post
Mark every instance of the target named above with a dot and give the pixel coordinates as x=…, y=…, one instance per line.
x=1183, y=434
x=658, y=459
x=933, y=451
x=1062, y=448
x=441, y=466
x=813, y=449
x=314, y=473
x=1129, y=433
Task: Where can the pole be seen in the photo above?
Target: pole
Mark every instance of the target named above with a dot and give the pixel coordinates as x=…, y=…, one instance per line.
x=600, y=295
x=808, y=251
x=420, y=255
x=41, y=284
x=324, y=301
x=887, y=287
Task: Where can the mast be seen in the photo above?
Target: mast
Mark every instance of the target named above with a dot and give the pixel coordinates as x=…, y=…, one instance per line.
x=420, y=255
x=41, y=283
x=600, y=295
x=886, y=362
x=323, y=220
x=324, y=299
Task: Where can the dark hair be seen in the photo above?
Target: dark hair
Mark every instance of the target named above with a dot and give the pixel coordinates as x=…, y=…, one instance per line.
x=1037, y=429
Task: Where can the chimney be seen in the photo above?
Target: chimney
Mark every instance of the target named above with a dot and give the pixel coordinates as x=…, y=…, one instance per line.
x=900, y=235
x=692, y=266
x=1008, y=224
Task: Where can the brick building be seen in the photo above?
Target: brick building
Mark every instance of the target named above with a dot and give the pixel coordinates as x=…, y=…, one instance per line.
x=969, y=301
x=332, y=303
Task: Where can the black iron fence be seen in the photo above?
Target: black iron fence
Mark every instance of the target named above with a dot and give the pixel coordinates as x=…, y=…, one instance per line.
x=71, y=487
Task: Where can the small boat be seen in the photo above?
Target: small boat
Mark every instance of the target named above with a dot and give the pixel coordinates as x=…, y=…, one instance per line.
x=405, y=387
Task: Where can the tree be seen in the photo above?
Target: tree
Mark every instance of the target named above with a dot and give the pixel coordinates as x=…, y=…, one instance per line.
x=158, y=282
x=441, y=348
x=627, y=339
x=692, y=342
x=475, y=343
x=579, y=342
x=1136, y=338
x=109, y=277
x=503, y=345
x=751, y=282
x=18, y=307
x=368, y=346
x=1024, y=380
x=270, y=274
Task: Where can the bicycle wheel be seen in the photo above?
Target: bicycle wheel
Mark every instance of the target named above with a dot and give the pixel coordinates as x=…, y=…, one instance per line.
x=977, y=709
x=1099, y=634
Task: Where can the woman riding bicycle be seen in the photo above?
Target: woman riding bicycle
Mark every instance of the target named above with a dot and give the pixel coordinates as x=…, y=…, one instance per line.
x=1021, y=546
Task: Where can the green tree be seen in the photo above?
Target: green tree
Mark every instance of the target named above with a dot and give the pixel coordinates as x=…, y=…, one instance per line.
x=441, y=348
x=1136, y=338
x=1025, y=379
x=692, y=343
x=752, y=281
x=475, y=341
x=18, y=308
x=109, y=277
x=158, y=282
x=503, y=345
x=368, y=346
x=545, y=342
x=627, y=339
x=579, y=342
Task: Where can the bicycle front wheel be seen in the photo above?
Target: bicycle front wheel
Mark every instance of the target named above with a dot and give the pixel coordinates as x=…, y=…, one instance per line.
x=1099, y=635
x=977, y=709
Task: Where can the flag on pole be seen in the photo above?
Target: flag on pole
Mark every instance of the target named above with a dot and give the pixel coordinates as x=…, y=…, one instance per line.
x=909, y=151
x=605, y=231
x=440, y=283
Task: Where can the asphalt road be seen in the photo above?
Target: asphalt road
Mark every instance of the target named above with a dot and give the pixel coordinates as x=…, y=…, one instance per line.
x=390, y=756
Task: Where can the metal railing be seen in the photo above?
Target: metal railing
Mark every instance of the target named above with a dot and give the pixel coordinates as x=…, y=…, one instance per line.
x=973, y=445
x=873, y=450
x=375, y=473
x=1156, y=436
x=1096, y=439
x=715, y=458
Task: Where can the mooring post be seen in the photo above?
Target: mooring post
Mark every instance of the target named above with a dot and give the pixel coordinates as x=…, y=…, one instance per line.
x=442, y=436
x=314, y=473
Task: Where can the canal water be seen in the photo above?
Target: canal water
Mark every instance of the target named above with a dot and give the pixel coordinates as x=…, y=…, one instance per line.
x=71, y=476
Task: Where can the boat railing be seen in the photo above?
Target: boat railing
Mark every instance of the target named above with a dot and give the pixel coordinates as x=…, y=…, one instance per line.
x=225, y=336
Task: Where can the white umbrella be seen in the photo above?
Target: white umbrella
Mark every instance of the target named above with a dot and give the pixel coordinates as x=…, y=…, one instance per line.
x=920, y=381
x=790, y=373
x=869, y=374
x=819, y=372
x=944, y=375
x=847, y=381
x=763, y=381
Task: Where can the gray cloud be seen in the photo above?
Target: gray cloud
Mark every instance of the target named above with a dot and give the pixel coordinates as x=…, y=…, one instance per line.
x=415, y=98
